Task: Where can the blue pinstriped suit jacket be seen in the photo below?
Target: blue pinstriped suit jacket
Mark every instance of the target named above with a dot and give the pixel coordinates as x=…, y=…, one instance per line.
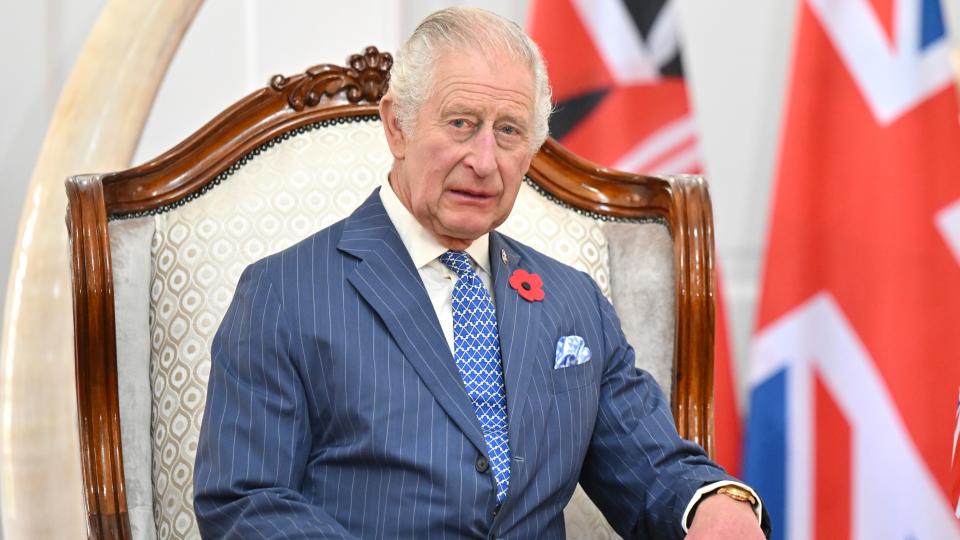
x=335, y=409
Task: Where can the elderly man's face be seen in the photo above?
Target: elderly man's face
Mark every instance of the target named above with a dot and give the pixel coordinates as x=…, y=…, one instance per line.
x=460, y=171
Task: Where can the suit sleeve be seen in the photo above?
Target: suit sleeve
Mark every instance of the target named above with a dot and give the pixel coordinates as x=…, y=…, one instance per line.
x=255, y=439
x=638, y=470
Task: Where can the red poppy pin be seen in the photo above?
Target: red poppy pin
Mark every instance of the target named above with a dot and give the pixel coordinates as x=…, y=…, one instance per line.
x=529, y=286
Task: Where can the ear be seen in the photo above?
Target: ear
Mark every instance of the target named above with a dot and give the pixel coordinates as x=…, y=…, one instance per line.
x=396, y=138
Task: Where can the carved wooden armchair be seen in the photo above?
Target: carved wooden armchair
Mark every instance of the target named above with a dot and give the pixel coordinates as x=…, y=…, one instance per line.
x=157, y=251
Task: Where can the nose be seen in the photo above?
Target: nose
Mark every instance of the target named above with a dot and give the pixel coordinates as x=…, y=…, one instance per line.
x=482, y=154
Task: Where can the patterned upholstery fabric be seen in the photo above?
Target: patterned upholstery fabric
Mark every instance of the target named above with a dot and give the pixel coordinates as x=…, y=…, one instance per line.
x=279, y=196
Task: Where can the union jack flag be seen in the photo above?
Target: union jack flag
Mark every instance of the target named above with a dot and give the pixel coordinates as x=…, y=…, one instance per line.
x=854, y=365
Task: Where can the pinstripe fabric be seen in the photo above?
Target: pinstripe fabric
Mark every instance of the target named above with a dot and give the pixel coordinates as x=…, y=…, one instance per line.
x=335, y=408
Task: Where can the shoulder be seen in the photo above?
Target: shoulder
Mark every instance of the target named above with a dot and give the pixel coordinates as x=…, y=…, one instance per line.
x=314, y=251
x=323, y=245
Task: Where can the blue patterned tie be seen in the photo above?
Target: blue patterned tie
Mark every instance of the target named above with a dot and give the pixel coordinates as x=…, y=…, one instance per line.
x=476, y=348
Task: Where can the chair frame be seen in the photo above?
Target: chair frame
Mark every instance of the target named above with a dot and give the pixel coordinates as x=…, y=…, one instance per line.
x=326, y=93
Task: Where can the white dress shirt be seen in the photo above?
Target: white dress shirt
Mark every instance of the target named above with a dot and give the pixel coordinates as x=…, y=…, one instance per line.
x=425, y=250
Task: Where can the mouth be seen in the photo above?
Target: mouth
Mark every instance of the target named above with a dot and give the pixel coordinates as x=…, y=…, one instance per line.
x=472, y=196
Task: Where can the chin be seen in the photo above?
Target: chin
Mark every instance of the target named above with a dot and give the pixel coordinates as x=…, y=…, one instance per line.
x=469, y=230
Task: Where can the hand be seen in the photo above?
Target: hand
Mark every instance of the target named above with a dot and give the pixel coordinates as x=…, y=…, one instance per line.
x=720, y=517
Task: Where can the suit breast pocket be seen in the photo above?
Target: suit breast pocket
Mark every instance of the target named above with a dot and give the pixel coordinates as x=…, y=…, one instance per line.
x=569, y=378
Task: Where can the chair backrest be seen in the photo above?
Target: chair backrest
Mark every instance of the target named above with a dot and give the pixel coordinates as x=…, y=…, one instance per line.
x=157, y=251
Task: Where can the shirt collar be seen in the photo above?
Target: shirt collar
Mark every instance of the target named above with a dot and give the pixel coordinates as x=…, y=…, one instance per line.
x=422, y=246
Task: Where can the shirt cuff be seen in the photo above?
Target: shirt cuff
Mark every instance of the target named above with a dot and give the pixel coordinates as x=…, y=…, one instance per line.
x=698, y=496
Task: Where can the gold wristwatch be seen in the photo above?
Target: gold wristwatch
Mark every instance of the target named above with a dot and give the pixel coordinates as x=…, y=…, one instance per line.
x=737, y=493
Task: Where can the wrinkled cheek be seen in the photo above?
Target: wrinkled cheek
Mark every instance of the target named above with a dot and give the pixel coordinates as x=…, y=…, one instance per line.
x=509, y=197
x=502, y=211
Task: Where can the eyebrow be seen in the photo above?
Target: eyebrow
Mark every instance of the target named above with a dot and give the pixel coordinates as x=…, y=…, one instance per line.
x=456, y=109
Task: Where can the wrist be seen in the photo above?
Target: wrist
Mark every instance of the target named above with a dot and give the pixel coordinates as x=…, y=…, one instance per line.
x=718, y=516
x=736, y=493
x=740, y=499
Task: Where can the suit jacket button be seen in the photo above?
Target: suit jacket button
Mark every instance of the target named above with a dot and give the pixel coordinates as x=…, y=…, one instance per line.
x=482, y=465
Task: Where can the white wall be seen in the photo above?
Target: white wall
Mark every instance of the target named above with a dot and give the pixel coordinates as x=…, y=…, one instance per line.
x=235, y=46
x=951, y=12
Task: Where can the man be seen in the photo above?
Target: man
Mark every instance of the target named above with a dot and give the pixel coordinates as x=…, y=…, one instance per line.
x=403, y=373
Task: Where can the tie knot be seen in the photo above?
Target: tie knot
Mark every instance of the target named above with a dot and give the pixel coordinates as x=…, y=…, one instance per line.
x=459, y=262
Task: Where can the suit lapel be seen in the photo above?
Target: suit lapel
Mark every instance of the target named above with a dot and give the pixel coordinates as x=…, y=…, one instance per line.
x=386, y=278
x=518, y=323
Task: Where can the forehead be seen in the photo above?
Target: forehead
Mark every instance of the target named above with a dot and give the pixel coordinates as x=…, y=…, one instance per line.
x=470, y=79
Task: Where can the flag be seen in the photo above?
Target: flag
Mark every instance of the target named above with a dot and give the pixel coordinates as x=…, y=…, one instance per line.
x=855, y=362
x=727, y=431
x=621, y=101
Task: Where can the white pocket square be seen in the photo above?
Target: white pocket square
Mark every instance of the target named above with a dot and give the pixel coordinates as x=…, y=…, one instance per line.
x=571, y=351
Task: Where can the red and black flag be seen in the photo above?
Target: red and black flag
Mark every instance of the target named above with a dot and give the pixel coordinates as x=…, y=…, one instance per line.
x=617, y=77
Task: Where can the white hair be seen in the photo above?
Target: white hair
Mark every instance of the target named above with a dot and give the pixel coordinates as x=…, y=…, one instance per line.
x=411, y=78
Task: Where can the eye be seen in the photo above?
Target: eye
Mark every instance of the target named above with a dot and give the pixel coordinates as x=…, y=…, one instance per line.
x=459, y=123
x=511, y=130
